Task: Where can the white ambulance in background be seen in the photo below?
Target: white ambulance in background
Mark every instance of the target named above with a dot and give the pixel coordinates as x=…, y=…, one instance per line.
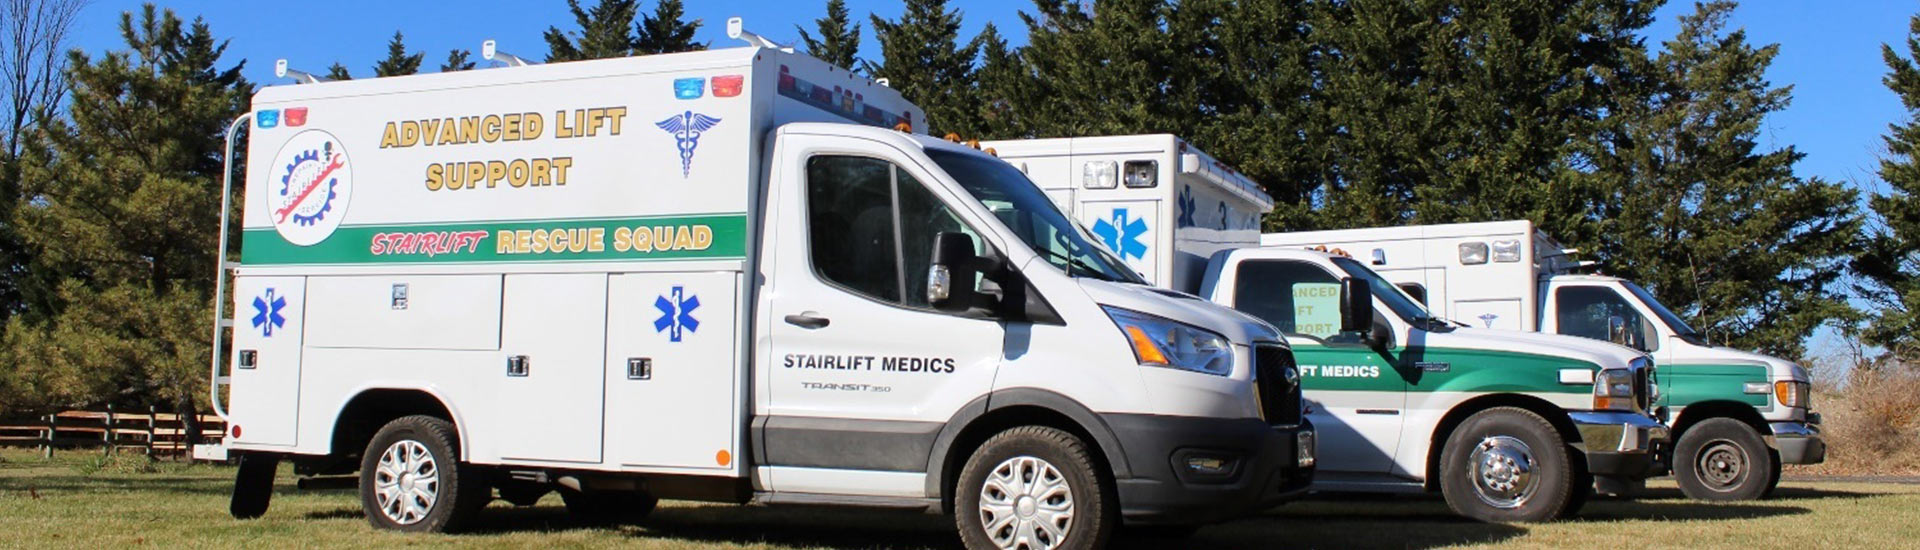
x=1509, y=426
x=1736, y=415
x=725, y=275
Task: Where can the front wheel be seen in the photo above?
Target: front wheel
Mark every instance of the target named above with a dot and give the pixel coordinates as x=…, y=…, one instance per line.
x=1034, y=488
x=1723, y=459
x=411, y=478
x=1507, y=465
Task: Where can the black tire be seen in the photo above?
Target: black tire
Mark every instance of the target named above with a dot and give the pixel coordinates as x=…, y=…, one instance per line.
x=1722, y=459
x=458, y=490
x=1583, y=491
x=1526, y=439
x=1017, y=455
x=608, y=507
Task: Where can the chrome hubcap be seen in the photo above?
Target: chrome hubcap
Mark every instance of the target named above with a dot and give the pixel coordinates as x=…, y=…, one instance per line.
x=1026, y=504
x=406, y=483
x=1722, y=464
x=1503, y=472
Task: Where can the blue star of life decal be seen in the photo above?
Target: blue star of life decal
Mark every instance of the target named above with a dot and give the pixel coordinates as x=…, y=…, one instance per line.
x=686, y=129
x=676, y=314
x=266, y=312
x=1123, y=235
x=1186, y=206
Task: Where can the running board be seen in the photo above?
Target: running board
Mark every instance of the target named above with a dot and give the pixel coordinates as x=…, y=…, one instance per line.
x=864, y=501
x=1335, y=483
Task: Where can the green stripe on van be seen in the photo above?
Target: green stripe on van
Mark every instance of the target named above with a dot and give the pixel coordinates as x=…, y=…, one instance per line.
x=1687, y=384
x=700, y=237
x=1355, y=368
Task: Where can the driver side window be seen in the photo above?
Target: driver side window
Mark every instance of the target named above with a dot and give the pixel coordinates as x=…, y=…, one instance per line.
x=1296, y=297
x=871, y=227
x=1585, y=311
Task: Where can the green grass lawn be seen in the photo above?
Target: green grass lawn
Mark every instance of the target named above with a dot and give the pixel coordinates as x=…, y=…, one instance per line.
x=79, y=500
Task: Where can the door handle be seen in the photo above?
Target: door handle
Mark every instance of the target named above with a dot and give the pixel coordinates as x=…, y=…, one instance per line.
x=808, y=320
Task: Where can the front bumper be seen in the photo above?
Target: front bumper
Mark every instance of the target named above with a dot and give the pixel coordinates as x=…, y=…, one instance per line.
x=1266, y=467
x=1798, y=442
x=1619, y=444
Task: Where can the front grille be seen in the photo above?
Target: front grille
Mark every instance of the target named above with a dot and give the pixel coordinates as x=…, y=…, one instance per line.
x=1643, y=387
x=1279, y=396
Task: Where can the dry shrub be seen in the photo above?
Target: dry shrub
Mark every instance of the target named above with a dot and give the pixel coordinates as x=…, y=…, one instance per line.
x=1872, y=424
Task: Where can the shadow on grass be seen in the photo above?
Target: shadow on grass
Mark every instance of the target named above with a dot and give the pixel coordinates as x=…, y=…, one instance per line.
x=135, y=483
x=1783, y=493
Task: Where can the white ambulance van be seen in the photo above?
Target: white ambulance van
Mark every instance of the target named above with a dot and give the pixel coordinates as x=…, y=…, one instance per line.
x=728, y=276
x=1509, y=426
x=1736, y=415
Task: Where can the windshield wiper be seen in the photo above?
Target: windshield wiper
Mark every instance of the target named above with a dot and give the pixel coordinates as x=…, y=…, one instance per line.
x=1076, y=262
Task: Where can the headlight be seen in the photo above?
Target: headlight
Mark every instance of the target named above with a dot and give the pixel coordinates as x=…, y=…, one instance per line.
x=1613, y=389
x=1163, y=343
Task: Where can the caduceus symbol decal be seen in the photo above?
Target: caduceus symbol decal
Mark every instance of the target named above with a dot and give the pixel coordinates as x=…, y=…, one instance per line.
x=686, y=128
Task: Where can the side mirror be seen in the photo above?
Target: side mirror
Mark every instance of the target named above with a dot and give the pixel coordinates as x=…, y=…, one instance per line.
x=951, y=275
x=1356, y=306
x=1617, y=330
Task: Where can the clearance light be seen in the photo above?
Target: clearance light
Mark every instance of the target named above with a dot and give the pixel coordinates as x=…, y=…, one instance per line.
x=1473, y=253
x=1791, y=394
x=1100, y=174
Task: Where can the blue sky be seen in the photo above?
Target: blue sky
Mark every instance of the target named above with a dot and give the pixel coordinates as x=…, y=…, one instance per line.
x=1829, y=51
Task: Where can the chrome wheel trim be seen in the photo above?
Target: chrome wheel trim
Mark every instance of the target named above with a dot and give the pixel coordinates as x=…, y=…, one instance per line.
x=1026, y=504
x=406, y=483
x=1502, y=472
x=1722, y=464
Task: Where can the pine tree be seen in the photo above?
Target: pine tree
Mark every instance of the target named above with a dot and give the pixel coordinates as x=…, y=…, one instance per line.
x=125, y=196
x=605, y=31
x=338, y=72
x=665, y=32
x=1889, y=264
x=839, y=41
x=1722, y=232
x=921, y=56
x=457, y=61
x=398, y=61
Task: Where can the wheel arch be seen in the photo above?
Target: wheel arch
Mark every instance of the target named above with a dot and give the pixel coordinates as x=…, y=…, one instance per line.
x=362, y=415
x=1001, y=410
x=1696, y=413
x=1459, y=414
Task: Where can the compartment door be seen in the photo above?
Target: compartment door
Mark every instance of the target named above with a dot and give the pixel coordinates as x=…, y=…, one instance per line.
x=550, y=410
x=672, y=370
x=269, y=324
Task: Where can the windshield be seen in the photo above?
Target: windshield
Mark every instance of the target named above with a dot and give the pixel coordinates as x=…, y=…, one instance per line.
x=1386, y=292
x=1667, y=316
x=1033, y=218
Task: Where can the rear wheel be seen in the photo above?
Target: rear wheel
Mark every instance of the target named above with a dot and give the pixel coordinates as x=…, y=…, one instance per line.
x=1723, y=459
x=1034, y=488
x=411, y=478
x=1507, y=465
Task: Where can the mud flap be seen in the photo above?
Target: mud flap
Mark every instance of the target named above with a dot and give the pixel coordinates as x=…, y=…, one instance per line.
x=253, y=485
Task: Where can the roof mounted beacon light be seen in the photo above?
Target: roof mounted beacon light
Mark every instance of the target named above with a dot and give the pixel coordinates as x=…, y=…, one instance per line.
x=281, y=70
x=490, y=52
x=737, y=30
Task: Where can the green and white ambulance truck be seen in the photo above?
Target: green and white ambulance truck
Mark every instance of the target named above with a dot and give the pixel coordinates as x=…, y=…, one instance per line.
x=1509, y=426
x=726, y=275
x=1736, y=415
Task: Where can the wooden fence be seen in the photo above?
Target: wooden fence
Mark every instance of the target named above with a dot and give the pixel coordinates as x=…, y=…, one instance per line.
x=154, y=433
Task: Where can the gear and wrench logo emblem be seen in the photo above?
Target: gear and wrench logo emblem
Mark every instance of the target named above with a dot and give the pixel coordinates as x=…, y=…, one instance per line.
x=311, y=185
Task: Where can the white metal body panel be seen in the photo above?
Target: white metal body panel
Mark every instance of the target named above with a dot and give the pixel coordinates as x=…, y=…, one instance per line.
x=558, y=323
x=266, y=395
x=681, y=414
x=1197, y=207
x=452, y=312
